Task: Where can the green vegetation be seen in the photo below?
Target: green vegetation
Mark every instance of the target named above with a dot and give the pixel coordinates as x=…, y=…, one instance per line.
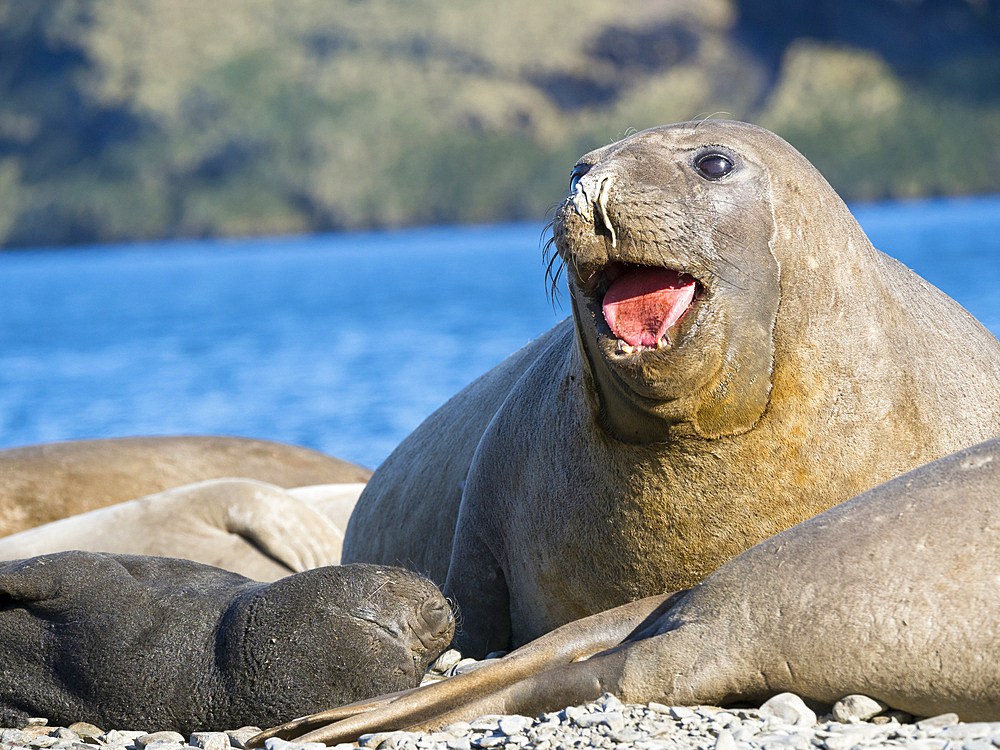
x=137, y=119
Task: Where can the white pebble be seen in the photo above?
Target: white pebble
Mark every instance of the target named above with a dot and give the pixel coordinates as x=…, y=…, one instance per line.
x=446, y=661
x=209, y=740
x=941, y=720
x=788, y=708
x=857, y=708
x=511, y=725
x=239, y=738
x=725, y=741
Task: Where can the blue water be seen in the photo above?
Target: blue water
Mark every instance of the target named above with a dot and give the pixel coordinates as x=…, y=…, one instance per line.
x=343, y=343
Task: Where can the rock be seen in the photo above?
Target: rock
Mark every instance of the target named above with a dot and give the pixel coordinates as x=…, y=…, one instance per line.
x=725, y=741
x=143, y=741
x=85, y=730
x=209, y=740
x=487, y=723
x=120, y=738
x=941, y=720
x=788, y=708
x=609, y=702
x=31, y=731
x=446, y=661
x=511, y=725
x=43, y=740
x=166, y=745
x=490, y=740
x=36, y=721
x=970, y=730
x=611, y=719
x=374, y=740
x=238, y=738
x=857, y=708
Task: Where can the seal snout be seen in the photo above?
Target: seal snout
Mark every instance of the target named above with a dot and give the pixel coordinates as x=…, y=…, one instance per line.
x=435, y=623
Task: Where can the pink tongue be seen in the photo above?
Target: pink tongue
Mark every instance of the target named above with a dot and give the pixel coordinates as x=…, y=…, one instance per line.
x=642, y=303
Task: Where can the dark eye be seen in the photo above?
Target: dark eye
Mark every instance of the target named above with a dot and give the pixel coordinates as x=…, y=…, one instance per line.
x=714, y=166
x=578, y=171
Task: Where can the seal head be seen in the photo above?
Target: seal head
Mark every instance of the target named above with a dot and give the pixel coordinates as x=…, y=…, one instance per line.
x=667, y=239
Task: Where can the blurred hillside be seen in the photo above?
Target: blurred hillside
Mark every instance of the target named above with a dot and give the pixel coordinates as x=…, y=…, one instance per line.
x=133, y=119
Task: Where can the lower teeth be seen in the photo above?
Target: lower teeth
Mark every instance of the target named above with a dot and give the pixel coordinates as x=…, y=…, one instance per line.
x=624, y=348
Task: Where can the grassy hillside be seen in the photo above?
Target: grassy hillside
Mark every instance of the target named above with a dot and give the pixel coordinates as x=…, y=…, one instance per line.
x=132, y=119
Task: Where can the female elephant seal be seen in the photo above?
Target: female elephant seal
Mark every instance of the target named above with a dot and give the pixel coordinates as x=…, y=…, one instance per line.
x=739, y=358
x=124, y=640
x=891, y=594
x=253, y=528
x=42, y=483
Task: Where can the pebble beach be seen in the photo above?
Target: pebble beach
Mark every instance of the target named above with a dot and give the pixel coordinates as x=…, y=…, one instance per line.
x=783, y=722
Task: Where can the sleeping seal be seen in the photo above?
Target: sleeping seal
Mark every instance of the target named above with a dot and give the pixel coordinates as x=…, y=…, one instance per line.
x=253, y=528
x=122, y=640
x=892, y=594
x=42, y=483
x=739, y=358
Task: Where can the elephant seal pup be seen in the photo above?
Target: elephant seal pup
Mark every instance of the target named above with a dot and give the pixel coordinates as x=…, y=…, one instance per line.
x=124, y=640
x=42, y=483
x=739, y=358
x=892, y=594
x=256, y=529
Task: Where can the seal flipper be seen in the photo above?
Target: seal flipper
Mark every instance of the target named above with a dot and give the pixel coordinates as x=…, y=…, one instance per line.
x=43, y=578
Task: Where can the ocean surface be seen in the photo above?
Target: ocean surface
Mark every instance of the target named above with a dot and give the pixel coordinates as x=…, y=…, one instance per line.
x=343, y=343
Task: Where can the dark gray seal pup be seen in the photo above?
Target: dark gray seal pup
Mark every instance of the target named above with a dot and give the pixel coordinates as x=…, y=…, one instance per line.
x=739, y=358
x=124, y=641
x=43, y=483
x=894, y=594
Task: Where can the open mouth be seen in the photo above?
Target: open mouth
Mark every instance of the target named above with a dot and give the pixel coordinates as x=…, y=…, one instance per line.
x=642, y=303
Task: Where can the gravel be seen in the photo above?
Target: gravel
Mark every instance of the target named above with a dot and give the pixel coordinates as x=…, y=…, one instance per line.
x=784, y=722
x=607, y=723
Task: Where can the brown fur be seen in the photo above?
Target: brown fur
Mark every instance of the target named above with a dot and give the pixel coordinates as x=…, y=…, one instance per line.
x=812, y=368
x=43, y=483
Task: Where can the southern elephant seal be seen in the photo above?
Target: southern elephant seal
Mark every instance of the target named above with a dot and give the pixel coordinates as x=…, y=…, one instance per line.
x=121, y=640
x=892, y=594
x=256, y=529
x=739, y=358
x=42, y=483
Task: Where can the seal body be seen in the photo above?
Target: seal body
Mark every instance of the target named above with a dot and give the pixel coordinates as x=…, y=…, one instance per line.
x=892, y=594
x=252, y=528
x=124, y=640
x=739, y=358
x=42, y=483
